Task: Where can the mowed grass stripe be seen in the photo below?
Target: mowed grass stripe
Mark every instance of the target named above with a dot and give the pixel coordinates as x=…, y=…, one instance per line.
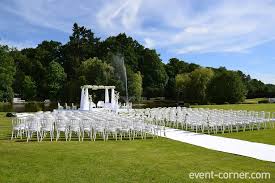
x=151, y=160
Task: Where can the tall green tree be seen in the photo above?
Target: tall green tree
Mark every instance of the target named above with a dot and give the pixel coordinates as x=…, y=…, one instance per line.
x=23, y=67
x=125, y=46
x=192, y=87
x=7, y=72
x=28, y=88
x=34, y=66
x=182, y=81
x=155, y=77
x=200, y=79
x=135, y=85
x=256, y=89
x=48, y=51
x=56, y=77
x=174, y=67
x=226, y=86
x=96, y=72
x=82, y=45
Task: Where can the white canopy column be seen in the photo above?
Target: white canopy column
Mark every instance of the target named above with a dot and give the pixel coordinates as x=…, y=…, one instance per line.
x=86, y=103
x=82, y=97
x=107, y=100
x=86, y=100
x=113, y=97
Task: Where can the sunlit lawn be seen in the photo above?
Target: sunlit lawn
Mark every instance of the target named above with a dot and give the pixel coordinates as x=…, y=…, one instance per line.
x=254, y=100
x=152, y=160
x=250, y=107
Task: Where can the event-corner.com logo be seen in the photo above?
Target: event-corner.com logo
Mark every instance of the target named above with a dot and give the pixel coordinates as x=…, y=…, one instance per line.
x=229, y=175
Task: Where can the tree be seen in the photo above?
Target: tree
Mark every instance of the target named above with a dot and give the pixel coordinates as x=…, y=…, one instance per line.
x=226, y=86
x=174, y=67
x=256, y=89
x=199, y=82
x=48, y=51
x=154, y=75
x=192, y=87
x=55, y=79
x=31, y=64
x=95, y=71
x=29, y=88
x=157, y=78
x=182, y=83
x=135, y=85
x=82, y=45
x=23, y=67
x=7, y=72
x=125, y=46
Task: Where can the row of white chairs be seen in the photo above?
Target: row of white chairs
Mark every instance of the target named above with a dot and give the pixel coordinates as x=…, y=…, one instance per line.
x=67, y=107
x=207, y=120
x=102, y=124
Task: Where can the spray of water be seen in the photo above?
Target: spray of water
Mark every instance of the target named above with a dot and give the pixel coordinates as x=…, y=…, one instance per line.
x=120, y=70
x=126, y=81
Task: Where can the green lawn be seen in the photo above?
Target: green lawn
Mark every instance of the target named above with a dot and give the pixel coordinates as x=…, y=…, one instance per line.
x=266, y=136
x=250, y=107
x=152, y=160
x=254, y=100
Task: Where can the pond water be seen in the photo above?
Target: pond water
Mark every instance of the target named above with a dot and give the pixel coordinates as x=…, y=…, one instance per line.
x=27, y=107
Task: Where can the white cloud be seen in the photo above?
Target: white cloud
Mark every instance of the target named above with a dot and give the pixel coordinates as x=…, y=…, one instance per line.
x=58, y=15
x=268, y=78
x=18, y=45
x=177, y=26
x=120, y=15
x=149, y=43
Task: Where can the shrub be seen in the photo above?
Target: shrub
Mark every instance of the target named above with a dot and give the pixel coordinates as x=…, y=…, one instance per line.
x=186, y=105
x=263, y=101
x=9, y=114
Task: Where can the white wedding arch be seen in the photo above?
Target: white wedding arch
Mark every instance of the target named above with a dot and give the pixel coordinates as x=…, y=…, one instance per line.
x=86, y=101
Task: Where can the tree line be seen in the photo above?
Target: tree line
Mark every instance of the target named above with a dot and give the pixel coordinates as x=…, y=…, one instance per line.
x=56, y=71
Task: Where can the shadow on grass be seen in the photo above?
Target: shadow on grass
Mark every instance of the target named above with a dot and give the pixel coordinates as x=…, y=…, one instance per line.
x=73, y=138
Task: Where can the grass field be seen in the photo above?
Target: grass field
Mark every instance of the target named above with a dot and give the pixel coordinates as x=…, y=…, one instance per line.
x=250, y=107
x=152, y=160
x=254, y=100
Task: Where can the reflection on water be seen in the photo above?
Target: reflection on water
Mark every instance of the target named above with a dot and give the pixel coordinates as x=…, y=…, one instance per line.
x=27, y=107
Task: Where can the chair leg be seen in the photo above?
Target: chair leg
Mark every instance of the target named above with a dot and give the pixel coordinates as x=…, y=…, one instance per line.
x=91, y=135
x=57, y=135
x=12, y=134
x=83, y=134
x=42, y=136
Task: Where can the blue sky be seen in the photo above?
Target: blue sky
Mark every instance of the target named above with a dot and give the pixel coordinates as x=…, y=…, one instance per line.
x=239, y=35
